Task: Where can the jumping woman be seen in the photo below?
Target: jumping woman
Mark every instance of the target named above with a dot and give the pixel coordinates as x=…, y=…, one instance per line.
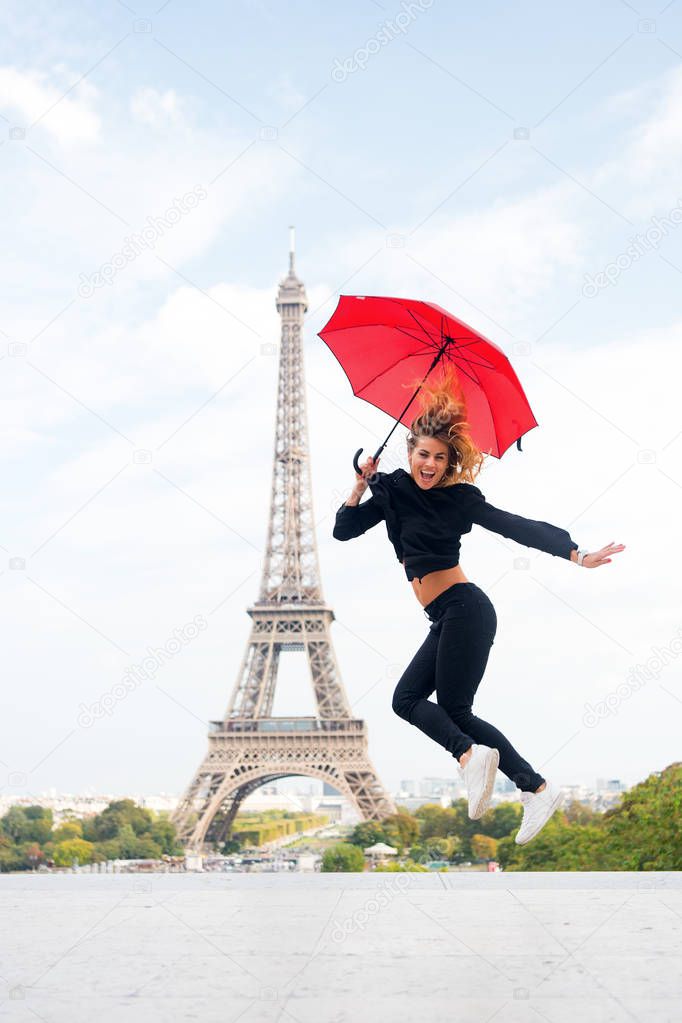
x=426, y=511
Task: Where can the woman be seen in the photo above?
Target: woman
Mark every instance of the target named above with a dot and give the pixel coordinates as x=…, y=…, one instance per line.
x=426, y=510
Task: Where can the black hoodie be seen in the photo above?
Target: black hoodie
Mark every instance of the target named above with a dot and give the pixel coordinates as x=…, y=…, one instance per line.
x=425, y=526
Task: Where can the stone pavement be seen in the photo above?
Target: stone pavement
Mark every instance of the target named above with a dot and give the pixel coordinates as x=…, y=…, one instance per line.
x=332, y=948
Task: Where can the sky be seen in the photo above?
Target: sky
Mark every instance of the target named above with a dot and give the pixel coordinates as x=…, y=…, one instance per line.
x=518, y=166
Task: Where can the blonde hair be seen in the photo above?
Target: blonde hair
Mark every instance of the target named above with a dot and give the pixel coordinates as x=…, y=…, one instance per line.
x=443, y=416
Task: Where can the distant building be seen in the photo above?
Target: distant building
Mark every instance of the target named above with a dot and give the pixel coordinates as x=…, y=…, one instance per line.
x=610, y=785
x=409, y=787
x=412, y=803
x=64, y=804
x=503, y=784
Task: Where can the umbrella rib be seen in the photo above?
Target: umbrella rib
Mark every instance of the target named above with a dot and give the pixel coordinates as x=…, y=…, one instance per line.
x=404, y=330
x=410, y=313
x=410, y=355
x=485, y=364
x=365, y=325
x=463, y=370
x=433, y=345
x=463, y=342
x=443, y=335
x=453, y=353
x=425, y=330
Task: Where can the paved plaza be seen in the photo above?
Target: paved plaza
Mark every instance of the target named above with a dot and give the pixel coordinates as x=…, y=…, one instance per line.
x=331, y=948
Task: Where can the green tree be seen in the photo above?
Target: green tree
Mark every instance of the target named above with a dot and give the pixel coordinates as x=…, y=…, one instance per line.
x=559, y=846
x=367, y=833
x=14, y=822
x=644, y=831
x=136, y=847
x=37, y=813
x=33, y=854
x=68, y=829
x=163, y=833
x=579, y=813
x=484, y=847
x=436, y=821
x=73, y=849
x=451, y=822
x=145, y=848
x=232, y=845
x=508, y=853
x=11, y=856
x=440, y=847
x=27, y=824
x=501, y=820
x=401, y=829
x=118, y=815
x=343, y=857
x=454, y=853
x=109, y=850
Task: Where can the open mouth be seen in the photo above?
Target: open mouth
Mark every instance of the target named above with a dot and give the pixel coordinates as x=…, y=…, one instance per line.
x=426, y=476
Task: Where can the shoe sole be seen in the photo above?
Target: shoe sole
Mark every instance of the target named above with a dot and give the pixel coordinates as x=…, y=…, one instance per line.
x=556, y=803
x=484, y=800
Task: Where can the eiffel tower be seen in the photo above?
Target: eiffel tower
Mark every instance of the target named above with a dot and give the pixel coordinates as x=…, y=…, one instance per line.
x=250, y=747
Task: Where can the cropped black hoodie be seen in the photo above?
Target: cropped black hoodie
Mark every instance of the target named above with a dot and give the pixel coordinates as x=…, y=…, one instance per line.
x=425, y=526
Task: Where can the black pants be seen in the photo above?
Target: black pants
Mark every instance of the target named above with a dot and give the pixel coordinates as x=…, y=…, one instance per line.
x=452, y=660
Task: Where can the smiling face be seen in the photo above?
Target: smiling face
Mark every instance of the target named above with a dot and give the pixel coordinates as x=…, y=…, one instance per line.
x=428, y=462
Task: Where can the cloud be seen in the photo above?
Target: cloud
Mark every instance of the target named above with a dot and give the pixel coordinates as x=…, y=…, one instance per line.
x=88, y=203
x=498, y=260
x=285, y=92
x=195, y=345
x=157, y=109
x=494, y=260
x=509, y=253
x=32, y=96
x=644, y=177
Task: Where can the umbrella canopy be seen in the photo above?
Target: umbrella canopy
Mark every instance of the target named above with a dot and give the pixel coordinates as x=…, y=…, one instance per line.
x=383, y=343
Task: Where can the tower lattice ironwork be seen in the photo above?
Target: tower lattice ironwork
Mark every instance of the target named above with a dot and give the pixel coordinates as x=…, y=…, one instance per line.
x=249, y=747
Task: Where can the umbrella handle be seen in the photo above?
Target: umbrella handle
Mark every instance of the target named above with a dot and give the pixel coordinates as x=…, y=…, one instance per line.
x=356, y=464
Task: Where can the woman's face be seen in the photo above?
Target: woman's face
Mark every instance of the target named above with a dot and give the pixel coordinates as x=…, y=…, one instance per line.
x=428, y=462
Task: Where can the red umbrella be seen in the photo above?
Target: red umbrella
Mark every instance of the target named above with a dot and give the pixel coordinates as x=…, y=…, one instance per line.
x=382, y=342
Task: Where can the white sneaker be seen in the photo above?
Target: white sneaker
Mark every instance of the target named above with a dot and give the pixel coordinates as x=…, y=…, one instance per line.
x=478, y=775
x=538, y=807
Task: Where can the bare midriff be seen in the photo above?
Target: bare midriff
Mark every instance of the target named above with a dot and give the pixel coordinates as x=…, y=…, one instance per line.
x=433, y=583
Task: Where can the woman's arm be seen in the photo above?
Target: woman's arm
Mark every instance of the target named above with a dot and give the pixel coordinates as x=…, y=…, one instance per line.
x=542, y=536
x=355, y=519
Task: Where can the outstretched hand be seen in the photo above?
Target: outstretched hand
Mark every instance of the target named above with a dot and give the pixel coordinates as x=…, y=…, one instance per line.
x=602, y=556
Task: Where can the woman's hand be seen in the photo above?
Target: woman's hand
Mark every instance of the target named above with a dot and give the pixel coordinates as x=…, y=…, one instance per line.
x=368, y=469
x=602, y=556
